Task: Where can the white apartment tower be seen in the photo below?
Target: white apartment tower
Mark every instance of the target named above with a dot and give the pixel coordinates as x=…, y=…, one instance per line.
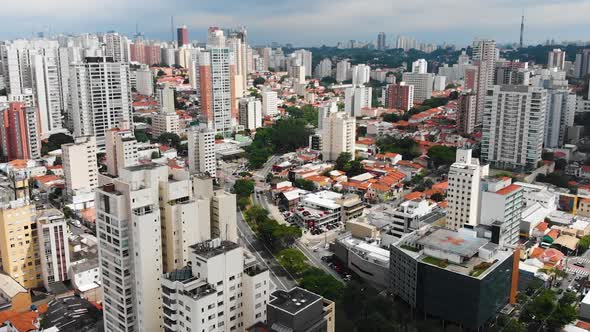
x=101, y=96
x=501, y=208
x=201, y=150
x=324, y=68
x=338, y=135
x=304, y=57
x=556, y=59
x=484, y=56
x=464, y=189
x=356, y=98
x=80, y=165
x=116, y=46
x=269, y=102
x=52, y=230
x=250, y=113
x=342, y=70
x=224, y=289
x=422, y=83
x=145, y=81
x=420, y=66
x=561, y=109
x=223, y=216
x=361, y=74
x=165, y=98
x=514, y=126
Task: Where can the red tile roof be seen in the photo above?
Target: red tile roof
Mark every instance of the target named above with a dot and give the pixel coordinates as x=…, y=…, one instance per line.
x=507, y=190
x=413, y=195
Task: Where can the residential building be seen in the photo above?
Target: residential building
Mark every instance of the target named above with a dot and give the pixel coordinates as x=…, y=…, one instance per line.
x=19, y=247
x=381, y=44
x=101, y=96
x=201, y=150
x=304, y=57
x=500, y=209
x=80, y=165
x=484, y=56
x=223, y=216
x=338, y=135
x=356, y=98
x=399, y=96
x=420, y=66
x=464, y=190
x=361, y=74
x=165, y=123
x=514, y=126
x=409, y=216
x=224, y=289
x=116, y=46
x=299, y=310
x=556, y=59
x=250, y=113
x=342, y=71
x=422, y=83
x=466, y=113
x=52, y=230
x=145, y=81
x=324, y=69
x=269, y=103
x=582, y=63
x=436, y=271
x=439, y=83
x=120, y=150
x=561, y=108
x=19, y=132
x=182, y=36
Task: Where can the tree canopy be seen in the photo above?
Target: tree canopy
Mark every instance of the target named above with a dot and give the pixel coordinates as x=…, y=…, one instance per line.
x=169, y=139
x=442, y=155
x=407, y=147
x=259, y=80
x=55, y=141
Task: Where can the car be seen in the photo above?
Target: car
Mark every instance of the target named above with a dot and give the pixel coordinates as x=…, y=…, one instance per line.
x=559, y=291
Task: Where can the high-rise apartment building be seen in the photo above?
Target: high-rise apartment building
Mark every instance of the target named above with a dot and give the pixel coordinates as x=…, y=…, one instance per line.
x=422, y=83
x=464, y=190
x=117, y=47
x=484, y=56
x=165, y=98
x=163, y=122
x=419, y=66
x=304, y=57
x=269, y=102
x=399, y=96
x=342, y=71
x=323, y=69
x=223, y=216
x=501, y=209
x=361, y=74
x=356, y=98
x=201, y=150
x=19, y=132
x=80, y=165
x=224, y=289
x=145, y=81
x=120, y=149
x=19, y=246
x=101, y=96
x=556, y=59
x=561, y=109
x=250, y=113
x=466, y=112
x=182, y=36
x=514, y=126
x=582, y=63
x=216, y=85
x=52, y=230
x=236, y=42
x=338, y=135
x=381, y=43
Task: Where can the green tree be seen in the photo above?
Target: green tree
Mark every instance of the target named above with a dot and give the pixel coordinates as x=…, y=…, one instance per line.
x=327, y=81
x=243, y=202
x=317, y=281
x=584, y=243
x=293, y=260
x=256, y=213
x=343, y=159
x=141, y=136
x=54, y=142
x=244, y=187
x=259, y=81
x=305, y=184
x=442, y=155
x=169, y=139
x=161, y=73
x=354, y=168
x=155, y=155
x=391, y=117
x=407, y=147
x=437, y=197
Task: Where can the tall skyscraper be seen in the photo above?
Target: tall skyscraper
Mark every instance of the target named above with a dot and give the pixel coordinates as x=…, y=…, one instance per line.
x=356, y=98
x=561, y=109
x=338, y=135
x=514, y=126
x=342, y=70
x=422, y=83
x=361, y=74
x=466, y=113
x=323, y=69
x=399, y=96
x=101, y=97
x=80, y=165
x=419, y=66
x=201, y=150
x=381, y=44
x=304, y=57
x=464, y=190
x=19, y=132
x=145, y=81
x=556, y=59
x=484, y=55
x=165, y=98
x=182, y=36
x=117, y=47
x=236, y=42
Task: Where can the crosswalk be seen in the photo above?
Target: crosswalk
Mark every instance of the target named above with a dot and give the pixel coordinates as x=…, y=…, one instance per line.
x=584, y=260
x=578, y=270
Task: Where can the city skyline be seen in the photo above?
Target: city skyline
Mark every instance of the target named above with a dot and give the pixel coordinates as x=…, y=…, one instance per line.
x=306, y=23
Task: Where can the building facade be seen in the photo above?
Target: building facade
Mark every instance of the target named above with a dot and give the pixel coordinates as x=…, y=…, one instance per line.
x=338, y=135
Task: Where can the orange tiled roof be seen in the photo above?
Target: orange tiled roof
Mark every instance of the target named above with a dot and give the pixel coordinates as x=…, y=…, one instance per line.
x=23, y=321
x=542, y=226
x=554, y=233
x=413, y=195
x=18, y=163
x=444, y=185
x=507, y=190
x=318, y=178
x=47, y=178
x=380, y=187
x=358, y=185
x=537, y=252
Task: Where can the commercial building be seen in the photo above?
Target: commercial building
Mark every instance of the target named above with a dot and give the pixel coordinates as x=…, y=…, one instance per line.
x=54, y=248
x=101, y=97
x=250, y=113
x=356, y=98
x=514, y=126
x=20, y=132
x=365, y=257
x=222, y=290
x=399, y=96
x=437, y=271
x=338, y=135
x=269, y=103
x=19, y=247
x=464, y=190
x=466, y=113
x=80, y=165
x=407, y=217
x=201, y=150
x=422, y=83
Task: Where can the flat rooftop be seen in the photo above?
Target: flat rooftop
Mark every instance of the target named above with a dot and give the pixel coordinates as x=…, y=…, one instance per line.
x=452, y=242
x=293, y=300
x=212, y=248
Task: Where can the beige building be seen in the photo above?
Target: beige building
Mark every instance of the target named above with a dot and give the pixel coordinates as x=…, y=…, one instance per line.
x=223, y=216
x=584, y=208
x=53, y=246
x=18, y=243
x=338, y=135
x=79, y=165
x=121, y=149
x=201, y=151
x=165, y=123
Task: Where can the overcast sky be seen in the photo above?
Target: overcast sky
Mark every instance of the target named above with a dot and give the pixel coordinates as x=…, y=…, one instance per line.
x=307, y=22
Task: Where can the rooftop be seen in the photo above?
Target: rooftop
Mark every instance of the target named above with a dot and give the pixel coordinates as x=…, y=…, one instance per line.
x=71, y=313
x=212, y=248
x=452, y=242
x=293, y=300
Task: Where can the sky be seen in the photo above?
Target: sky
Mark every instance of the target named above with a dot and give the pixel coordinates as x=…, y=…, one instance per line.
x=307, y=22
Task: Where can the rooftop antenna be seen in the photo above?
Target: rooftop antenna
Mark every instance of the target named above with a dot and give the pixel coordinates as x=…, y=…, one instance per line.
x=521, y=27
